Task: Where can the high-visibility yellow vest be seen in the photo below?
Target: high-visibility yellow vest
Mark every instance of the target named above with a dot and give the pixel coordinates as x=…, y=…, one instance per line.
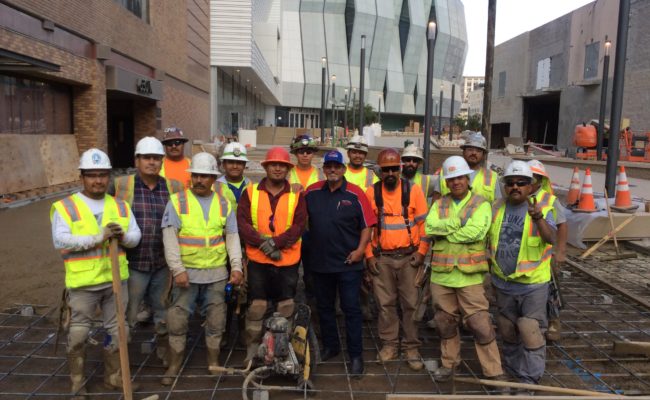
x=202, y=242
x=467, y=257
x=534, y=258
x=484, y=184
x=93, y=266
x=315, y=176
x=224, y=191
x=424, y=181
x=125, y=187
x=364, y=179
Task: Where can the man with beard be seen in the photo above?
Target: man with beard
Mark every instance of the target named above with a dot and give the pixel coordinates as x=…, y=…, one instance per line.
x=394, y=256
x=304, y=174
x=340, y=220
x=271, y=219
x=521, y=238
x=411, y=162
x=483, y=181
x=356, y=173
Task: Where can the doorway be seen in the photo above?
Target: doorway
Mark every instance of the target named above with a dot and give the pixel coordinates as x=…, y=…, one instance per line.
x=120, y=130
x=498, y=133
x=541, y=118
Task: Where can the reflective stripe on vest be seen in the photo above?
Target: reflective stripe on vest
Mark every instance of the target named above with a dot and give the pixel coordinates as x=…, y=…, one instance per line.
x=93, y=266
x=315, y=176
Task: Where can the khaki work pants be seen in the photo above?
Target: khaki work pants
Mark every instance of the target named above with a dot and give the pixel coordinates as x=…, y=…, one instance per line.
x=464, y=302
x=396, y=282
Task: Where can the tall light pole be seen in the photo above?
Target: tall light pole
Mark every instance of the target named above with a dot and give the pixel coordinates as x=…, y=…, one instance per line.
x=486, y=128
x=362, y=78
x=354, y=113
x=440, y=113
x=451, y=112
x=333, y=102
x=379, y=109
x=322, y=100
x=603, y=102
x=345, y=116
x=428, y=100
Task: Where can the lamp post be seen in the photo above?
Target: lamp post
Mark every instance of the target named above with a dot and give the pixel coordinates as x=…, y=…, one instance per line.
x=603, y=101
x=333, y=102
x=322, y=100
x=354, y=98
x=345, y=116
x=451, y=112
x=440, y=113
x=362, y=77
x=428, y=111
x=379, y=109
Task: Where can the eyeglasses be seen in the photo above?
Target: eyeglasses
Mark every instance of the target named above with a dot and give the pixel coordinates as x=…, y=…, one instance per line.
x=517, y=183
x=411, y=160
x=305, y=151
x=394, y=168
x=171, y=143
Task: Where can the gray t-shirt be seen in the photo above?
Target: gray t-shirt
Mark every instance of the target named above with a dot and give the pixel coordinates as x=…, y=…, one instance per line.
x=196, y=275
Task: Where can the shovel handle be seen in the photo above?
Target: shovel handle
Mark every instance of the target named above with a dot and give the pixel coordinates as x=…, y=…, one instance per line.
x=121, y=321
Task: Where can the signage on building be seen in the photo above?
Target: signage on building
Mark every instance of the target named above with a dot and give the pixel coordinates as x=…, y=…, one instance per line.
x=122, y=80
x=143, y=86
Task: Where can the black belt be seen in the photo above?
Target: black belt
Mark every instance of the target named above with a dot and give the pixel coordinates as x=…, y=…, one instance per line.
x=397, y=253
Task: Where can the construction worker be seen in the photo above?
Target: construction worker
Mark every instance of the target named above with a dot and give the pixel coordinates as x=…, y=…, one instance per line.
x=175, y=164
x=411, y=161
x=542, y=187
x=394, y=256
x=521, y=238
x=340, y=221
x=356, y=172
x=233, y=183
x=271, y=218
x=483, y=181
x=148, y=193
x=459, y=222
x=200, y=237
x=304, y=173
x=82, y=225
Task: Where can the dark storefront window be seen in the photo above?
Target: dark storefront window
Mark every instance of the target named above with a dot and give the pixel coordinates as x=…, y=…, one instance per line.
x=34, y=107
x=139, y=8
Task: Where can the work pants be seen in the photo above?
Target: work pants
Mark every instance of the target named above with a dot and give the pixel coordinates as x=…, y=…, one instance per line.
x=209, y=297
x=347, y=285
x=396, y=282
x=268, y=282
x=152, y=287
x=462, y=303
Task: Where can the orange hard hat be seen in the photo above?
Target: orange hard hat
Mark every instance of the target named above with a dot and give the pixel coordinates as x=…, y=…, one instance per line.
x=389, y=158
x=277, y=154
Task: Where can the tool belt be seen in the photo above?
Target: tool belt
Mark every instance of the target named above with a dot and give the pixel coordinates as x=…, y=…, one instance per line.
x=395, y=253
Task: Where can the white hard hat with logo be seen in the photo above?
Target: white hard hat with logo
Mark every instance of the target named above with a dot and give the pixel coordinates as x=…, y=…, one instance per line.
x=537, y=167
x=518, y=168
x=149, y=145
x=412, y=151
x=475, y=139
x=454, y=167
x=203, y=163
x=357, y=142
x=234, y=151
x=94, y=159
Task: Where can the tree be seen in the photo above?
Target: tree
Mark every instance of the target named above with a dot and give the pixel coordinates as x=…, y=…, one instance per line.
x=474, y=123
x=369, y=115
x=460, y=122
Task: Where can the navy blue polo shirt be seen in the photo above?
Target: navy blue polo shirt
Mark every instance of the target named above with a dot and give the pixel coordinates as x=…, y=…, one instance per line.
x=336, y=220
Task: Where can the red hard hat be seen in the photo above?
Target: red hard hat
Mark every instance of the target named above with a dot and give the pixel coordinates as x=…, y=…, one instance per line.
x=389, y=158
x=277, y=154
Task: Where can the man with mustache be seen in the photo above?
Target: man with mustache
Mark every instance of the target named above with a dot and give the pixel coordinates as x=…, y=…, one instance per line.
x=271, y=219
x=411, y=162
x=483, y=181
x=521, y=244
x=356, y=173
x=175, y=164
x=394, y=256
x=200, y=237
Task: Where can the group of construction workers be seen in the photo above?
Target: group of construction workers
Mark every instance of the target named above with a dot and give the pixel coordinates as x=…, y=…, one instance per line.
x=189, y=237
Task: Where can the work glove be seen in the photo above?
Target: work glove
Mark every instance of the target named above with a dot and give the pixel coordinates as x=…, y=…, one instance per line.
x=416, y=260
x=268, y=247
x=275, y=255
x=372, y=265
x=116, y=230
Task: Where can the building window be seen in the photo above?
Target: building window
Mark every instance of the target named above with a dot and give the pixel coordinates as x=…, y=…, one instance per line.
x=139, y=8
x=34, y=107
x=591, y=60
x=502, y=84
x=404, y=26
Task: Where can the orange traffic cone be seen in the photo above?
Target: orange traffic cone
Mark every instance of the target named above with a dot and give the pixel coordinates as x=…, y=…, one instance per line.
x=623, y=201
x=586, y=203
x=574, y=189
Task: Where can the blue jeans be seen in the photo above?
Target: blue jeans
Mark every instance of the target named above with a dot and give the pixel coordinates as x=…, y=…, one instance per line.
x=348, y=286
x=152, y=285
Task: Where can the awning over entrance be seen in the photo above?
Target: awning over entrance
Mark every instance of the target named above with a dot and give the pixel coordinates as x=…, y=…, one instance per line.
x=10, y=61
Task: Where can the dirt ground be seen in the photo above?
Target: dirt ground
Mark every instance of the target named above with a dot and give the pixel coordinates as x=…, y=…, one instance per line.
x=31, y=271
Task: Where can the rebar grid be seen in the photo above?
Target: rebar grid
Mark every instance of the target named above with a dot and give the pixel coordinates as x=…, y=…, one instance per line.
x=593, y=317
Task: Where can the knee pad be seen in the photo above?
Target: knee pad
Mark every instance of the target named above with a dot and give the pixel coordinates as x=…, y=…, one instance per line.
x=177, y=321
x=77, y=335
x=480, y=324
x=256, y=310
x=285, y=308
x=507, y=329
x=215, y=319
x=531, y=334
x=446, y=324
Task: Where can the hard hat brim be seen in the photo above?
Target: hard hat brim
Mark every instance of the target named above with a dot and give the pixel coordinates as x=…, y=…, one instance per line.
x=184, y=139
x=202, y=171
x=412, y=156
x=472, y=145
x=363, y=148
x=456, y=174
x=290, y=164
x=295, y=150
x=233, y=158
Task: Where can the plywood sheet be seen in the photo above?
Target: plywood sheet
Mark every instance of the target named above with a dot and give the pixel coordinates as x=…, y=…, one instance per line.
x=21, y=166
x=59, y=155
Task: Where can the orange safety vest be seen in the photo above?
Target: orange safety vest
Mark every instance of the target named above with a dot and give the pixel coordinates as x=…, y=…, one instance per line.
x=281, y=220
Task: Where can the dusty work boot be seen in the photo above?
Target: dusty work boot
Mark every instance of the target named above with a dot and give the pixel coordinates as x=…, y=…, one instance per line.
x=113, y=372
x=76, y=359
x=414, y=359
x=175, y=355
x=386, y=353
x=444, y=374
x=554, y=332
x=503, y=390
x=162, y=348
x=213, y=346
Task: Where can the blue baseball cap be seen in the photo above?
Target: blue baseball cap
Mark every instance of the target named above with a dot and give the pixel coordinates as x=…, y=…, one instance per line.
x=333, y=156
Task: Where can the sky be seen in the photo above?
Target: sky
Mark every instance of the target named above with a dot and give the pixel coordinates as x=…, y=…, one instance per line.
x=514, y=17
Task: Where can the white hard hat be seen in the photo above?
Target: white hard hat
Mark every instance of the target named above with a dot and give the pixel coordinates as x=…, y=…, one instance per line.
x=94, y=159
x=234, y=151
x=412, y=151
x=149, y=145
x=537, y=167
x=518, y=168
x=203, y=163
x=357, y=142
x=475, y=139
x=455, y=166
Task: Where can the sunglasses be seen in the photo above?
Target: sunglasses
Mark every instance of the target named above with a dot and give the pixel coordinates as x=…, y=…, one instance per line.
x=305, y=151
x=171, y=143
x=517, y=183
x=394, y=168
x=411, y=160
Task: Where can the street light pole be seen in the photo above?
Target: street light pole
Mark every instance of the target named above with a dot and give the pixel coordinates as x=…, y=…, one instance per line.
x=333, y=102
x=603, y=102
x=379, y=109
x=354, y=113
x=362, y=78
x=440, y=114
x=428, y=100
x=451, y=112
x=345, y=116
x=322, y=101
